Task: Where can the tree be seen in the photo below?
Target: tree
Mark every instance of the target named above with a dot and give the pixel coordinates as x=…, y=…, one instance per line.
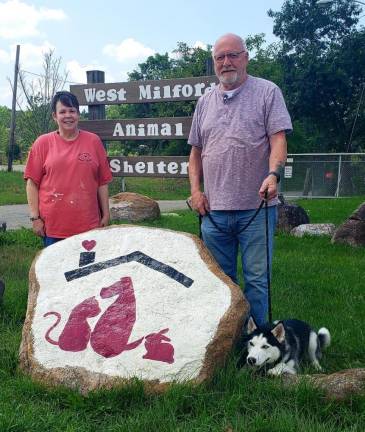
x=264, y=59
x=35, y=117
x=5, y=115
x=303, y=23
x=322, y=58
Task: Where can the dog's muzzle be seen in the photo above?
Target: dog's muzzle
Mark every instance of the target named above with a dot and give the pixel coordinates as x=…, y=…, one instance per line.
x=251, y=361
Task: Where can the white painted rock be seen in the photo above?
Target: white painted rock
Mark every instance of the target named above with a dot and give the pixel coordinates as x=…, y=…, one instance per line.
x=314, y=229
x=126, y=301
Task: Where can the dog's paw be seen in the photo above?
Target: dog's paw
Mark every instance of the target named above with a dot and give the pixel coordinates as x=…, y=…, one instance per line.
x=282, y=368
x=317, y=366
x=275, y=371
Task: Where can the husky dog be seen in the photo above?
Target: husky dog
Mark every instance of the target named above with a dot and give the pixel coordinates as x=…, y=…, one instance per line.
x=280, y=347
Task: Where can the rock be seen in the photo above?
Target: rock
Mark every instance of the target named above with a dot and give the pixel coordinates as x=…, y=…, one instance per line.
x=125, y=301
x=339, y=385
x=171, y=214
x=352, y=231
x=290, y=216
x=314, y=229
x=133, y=207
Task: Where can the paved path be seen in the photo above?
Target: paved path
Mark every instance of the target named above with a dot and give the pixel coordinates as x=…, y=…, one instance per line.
x=17, y=216
x=15, y=168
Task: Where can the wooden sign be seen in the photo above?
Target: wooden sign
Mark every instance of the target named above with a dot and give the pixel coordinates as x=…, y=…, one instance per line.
x=139, y=129
x=182, y=89
x=149, y=166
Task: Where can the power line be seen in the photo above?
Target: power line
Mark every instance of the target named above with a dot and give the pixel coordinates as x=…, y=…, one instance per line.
x=43, y=76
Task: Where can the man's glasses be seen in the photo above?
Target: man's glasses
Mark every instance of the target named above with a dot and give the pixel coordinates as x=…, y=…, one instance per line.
x=231, y=56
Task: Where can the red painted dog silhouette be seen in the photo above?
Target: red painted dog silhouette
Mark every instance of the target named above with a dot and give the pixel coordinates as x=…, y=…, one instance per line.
x=76, y=333
x=111, y=333
x=156, y=350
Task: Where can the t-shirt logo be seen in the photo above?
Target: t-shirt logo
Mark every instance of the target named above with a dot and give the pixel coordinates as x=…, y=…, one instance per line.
x=84, y=157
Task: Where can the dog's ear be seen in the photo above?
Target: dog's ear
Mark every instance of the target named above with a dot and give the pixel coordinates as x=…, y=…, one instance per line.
x=251, y=325
x=279, y=332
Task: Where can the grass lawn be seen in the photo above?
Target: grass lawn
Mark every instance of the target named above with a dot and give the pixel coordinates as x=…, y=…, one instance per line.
x=312, y=280
x=155, y=188
x=12, y=188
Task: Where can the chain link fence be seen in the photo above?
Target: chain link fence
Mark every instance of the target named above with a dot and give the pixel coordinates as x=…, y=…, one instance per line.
x=324, y=175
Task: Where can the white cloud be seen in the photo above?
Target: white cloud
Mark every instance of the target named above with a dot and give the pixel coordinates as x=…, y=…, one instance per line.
x=129, y=49
x=200, y=44
x=19, y=19
x=176, y=55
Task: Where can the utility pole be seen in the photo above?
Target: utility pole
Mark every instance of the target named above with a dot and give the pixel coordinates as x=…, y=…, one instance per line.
x=13, y=112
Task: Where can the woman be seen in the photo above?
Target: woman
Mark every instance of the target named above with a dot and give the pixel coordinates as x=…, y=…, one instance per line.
x=67, y=176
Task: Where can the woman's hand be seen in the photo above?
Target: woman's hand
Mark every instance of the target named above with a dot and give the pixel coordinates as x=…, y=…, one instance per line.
x=38, y=227
x=104, y=221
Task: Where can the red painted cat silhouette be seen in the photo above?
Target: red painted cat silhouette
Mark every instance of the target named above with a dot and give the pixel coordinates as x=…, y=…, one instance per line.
x=156, y=350
x=76, y=333
x=112, y=331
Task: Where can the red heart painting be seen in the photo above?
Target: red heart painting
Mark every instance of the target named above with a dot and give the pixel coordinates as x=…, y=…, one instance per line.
x=89, y=244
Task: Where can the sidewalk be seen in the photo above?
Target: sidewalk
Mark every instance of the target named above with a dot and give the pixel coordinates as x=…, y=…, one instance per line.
x=17, y=216
x=15, y=168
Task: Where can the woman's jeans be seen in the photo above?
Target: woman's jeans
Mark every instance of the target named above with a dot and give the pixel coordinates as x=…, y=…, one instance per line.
x=48, y=241
x=224, y=247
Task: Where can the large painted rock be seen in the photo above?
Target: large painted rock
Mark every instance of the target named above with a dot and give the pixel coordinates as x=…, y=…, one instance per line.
x=126, y=301
x=133, y=207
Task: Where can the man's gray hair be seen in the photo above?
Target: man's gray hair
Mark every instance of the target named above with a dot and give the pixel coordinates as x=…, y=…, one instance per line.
x=241, y=40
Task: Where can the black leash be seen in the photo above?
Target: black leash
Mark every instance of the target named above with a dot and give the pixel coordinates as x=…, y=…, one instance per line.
x=268, y=257
x=263, y=202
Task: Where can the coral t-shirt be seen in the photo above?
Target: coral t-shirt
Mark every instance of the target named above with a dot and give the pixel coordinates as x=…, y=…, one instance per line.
x=68, y=175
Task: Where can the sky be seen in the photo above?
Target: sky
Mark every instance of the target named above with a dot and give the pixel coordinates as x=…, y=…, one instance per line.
x=114, y=36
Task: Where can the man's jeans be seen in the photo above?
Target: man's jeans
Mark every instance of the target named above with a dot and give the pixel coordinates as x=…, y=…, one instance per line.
x=252, y=242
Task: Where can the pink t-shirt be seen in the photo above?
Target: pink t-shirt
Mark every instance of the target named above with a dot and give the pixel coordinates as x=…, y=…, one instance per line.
x=234, y=135
x=68, y=175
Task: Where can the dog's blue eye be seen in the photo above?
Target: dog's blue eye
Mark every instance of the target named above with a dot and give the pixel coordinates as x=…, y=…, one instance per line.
x=251, y=343
x=265, y=346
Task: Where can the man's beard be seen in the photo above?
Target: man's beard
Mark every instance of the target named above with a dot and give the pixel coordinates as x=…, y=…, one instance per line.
x=228, y=78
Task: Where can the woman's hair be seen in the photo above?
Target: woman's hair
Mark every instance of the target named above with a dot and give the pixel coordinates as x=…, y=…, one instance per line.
x=66, y=98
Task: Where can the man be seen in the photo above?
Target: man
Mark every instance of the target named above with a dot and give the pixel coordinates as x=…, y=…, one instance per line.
x=239, y=146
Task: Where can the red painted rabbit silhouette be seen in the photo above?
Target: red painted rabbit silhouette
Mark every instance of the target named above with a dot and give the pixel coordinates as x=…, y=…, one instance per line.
x=156, y=350
x=76, y=333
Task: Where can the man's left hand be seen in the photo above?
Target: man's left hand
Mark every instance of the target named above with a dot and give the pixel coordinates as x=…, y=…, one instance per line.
x=271, y=185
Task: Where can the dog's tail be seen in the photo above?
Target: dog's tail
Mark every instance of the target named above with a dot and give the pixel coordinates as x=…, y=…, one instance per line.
x=324, y=338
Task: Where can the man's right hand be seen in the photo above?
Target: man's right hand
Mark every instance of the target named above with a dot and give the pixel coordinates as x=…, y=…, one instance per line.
x=38, y=227
x=200, y=203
